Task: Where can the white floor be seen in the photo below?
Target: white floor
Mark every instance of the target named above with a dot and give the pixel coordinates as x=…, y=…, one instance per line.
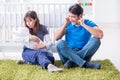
x=109, y=48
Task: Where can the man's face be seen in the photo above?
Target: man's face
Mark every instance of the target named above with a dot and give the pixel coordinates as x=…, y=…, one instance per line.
x=74, y=18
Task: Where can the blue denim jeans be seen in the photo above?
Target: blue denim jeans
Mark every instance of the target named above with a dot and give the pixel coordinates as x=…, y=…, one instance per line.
x=78, y=56
x=42, y=58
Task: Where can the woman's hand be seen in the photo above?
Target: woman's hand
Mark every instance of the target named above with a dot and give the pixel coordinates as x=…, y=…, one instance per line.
x=34, y=38
x=39, y=45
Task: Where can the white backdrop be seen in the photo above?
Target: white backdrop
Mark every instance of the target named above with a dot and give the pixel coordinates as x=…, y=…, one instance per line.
x=107, y=11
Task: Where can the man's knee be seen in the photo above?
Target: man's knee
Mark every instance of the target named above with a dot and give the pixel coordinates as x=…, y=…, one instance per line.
x=96, y=40
x=60, y=43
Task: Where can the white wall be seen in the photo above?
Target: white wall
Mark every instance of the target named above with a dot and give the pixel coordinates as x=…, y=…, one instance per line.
x=107, y=11
x=51, y=1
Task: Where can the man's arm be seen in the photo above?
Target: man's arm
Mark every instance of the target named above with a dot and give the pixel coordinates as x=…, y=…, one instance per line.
x=61, y=31
x=95, y=31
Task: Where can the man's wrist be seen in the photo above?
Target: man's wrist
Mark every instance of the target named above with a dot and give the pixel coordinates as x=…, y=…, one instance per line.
x=83, y=24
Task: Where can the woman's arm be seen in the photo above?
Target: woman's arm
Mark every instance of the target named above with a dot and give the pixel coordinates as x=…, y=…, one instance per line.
x=48, y=42
x=39, y=43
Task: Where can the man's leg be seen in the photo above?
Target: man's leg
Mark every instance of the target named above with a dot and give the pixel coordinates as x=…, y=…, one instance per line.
x=67, y=53
x=62, y=58
x=89, y=49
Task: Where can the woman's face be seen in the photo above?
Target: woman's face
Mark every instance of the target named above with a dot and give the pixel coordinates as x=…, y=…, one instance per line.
x=74, y=18
x=30, y=22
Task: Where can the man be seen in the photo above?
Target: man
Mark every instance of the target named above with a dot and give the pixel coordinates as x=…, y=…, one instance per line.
x=82, y=40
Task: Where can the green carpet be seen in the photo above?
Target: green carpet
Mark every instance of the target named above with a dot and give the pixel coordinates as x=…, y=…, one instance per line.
x=9, y=70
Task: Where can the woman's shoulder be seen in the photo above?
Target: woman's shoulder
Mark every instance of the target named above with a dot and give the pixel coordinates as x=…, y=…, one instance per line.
x=44, y=28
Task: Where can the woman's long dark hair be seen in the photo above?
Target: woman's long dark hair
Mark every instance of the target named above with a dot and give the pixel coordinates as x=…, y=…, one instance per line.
x=37, y=26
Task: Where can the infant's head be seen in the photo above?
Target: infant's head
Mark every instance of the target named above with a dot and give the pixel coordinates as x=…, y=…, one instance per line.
x=20, y=34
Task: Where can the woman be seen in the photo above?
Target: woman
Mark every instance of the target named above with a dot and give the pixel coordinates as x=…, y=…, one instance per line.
x=38, y=54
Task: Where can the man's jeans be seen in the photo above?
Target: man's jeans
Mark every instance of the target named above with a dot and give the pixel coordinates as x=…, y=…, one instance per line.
x=78, y=56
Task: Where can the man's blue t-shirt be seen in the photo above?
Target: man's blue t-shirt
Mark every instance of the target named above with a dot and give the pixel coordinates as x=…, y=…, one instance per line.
x=77, y=36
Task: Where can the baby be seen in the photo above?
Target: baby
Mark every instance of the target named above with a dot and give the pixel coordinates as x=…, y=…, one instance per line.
x=31, y=41
x=21, y=34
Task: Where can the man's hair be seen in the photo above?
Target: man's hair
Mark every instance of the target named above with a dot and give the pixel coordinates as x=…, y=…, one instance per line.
x=76, y=9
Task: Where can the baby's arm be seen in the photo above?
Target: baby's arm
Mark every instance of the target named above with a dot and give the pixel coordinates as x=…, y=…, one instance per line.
x=48, y=42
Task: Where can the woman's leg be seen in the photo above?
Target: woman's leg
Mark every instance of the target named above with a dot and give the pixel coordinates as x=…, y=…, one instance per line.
x=43, y=60
x=50, y=57
x=29, y=55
